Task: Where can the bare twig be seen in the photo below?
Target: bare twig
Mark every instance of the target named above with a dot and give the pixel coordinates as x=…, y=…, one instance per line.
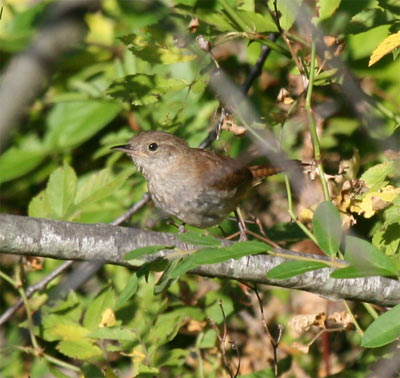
x=223, y=341
x=253, y=75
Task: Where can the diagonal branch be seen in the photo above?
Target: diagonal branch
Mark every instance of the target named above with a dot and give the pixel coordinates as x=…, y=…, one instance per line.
x=64, y=240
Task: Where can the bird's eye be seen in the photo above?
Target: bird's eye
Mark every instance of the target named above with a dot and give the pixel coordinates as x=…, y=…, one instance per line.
x=153, y=146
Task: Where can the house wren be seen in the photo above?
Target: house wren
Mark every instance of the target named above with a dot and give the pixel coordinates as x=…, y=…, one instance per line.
x=199, y=187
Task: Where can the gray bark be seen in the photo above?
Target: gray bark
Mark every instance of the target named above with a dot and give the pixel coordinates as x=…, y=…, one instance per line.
x=100, y=242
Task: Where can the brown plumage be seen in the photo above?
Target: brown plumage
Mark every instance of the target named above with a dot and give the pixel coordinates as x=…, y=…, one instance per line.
x=199, y=187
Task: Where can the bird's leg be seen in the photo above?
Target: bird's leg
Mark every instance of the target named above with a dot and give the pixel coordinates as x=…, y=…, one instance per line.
x=241, y=224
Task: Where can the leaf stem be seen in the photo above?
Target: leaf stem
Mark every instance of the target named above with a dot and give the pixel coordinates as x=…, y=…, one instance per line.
x=293, y=215
x=311, y=124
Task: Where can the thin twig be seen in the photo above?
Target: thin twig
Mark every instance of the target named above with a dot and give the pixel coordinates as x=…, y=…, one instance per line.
x=274, y=341
x=253, y=75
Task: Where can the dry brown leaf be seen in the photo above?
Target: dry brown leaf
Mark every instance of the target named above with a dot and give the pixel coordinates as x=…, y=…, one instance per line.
x=340, y=319
x=193, y=25
x=232, y=127
x=301, y=347
x=194, y=326
x=302, y=323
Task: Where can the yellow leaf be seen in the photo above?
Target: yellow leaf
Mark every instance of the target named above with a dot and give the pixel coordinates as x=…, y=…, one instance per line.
x=375, y=201
x=70, y=331
x=107, y=318
x=385, y=47
x=101, y=29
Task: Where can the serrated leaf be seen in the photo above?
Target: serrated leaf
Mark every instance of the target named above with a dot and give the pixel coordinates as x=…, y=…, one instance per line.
x=143, y=89
x=100, y=185
x=143, y=251
x=58, y=327
x=165, y=328
x=385, y=47
x=80, y=349
x=39, y=207
x=392, y=214
x=72, y=123
x=327, y=227
x=375, y=176
x=129, y=290
x=366, y=259
x=383, y=330
x=154, y=53
x=197, y=239
x=293, y=268
x=105, y=299
x=61, y=190
x=114, y=333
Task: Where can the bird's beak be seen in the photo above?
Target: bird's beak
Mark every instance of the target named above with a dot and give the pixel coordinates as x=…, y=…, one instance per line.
x=123, y=148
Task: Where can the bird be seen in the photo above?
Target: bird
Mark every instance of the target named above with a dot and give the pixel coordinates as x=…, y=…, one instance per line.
x=198, y=187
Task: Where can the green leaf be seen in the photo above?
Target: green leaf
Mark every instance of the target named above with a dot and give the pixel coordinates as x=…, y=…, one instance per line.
x=129, y=290
x=383, y=330
x=72, y=123
x=327, y=227
x=236, y=251
x=365, y=259
x=39, y=206
x=257, y=22
x=17, y=161
x=288, y=10
x=165, y=329
x=100, y=185
x=143, y=251
x=293, y=268
x=213, y=255
x=327, y=8
x=166, y=279
x=197, y=239
x=105, y=299
x=114, y=333
x=80, y=349
x=154, y=53
x=143, y=89
x=61, y=190
x=392, y=214
x=173, y=357
x=375, y=176
x=91, y=371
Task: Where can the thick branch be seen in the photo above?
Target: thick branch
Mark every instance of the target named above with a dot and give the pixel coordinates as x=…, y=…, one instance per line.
x=73, y=241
